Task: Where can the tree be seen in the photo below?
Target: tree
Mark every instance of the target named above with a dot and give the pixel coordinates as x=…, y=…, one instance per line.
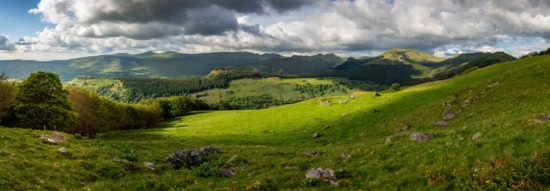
x=42, y=103
x=7, y=95
x=85, y=104
x=395, y=86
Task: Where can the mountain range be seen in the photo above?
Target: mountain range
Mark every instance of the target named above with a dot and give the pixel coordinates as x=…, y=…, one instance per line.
x=393, y=66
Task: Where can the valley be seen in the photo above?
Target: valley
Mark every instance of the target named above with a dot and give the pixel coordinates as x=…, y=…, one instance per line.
x=495, y=132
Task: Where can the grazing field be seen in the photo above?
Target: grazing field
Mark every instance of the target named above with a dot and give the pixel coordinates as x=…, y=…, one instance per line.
x=485, y=130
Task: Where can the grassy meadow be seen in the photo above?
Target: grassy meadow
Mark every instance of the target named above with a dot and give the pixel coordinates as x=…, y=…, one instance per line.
x=501, y=103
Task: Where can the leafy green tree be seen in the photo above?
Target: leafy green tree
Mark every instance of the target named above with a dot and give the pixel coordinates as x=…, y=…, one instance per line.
x=42, y=103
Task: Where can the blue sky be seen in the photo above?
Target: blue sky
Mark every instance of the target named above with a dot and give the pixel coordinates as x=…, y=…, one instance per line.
x=78, y=28
x=16, y=21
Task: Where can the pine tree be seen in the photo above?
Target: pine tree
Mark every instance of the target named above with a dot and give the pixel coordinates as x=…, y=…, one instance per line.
x=42, y=103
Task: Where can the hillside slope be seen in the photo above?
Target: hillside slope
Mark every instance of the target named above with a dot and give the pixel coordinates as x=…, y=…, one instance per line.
x=148, y=64
x=489, y=131
x=412, y=67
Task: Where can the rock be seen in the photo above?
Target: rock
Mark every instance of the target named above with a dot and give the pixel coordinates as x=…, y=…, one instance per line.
x=190, y=157
x=441, y=123
x=389, y=139
x=466, y=102
x=420, y=137
x=345, y=156
x=326, y=175
x=448, y=116
x=63, y=151
x=149, y=165
x=377, y=94
x=476, y=136
x=325, y=103
x=316, y=135
x=313, y=153
x=225, y=171
x=375, y=110
x=53, y=139
x=493, y=84
x=543, y=118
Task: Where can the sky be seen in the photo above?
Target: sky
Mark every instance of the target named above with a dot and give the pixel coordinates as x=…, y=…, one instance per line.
x=61, y=29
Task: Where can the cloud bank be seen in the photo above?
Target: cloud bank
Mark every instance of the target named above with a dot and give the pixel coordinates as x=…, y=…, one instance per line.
x=5, y=44
x=297, y=26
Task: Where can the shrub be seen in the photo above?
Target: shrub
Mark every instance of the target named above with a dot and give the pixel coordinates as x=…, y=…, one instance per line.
x=395, y=87
x=7, y=95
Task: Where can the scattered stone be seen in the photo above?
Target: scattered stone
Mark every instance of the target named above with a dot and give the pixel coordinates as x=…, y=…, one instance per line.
x=325, y=103
x=291, y=167
x=353, y=96
x=227, y=172
x=316, y=135
x=149, y=165
x=345, y=156
x=448, y=116
x=323, y=174
x=190, y=157
x=466, y=102
x=441, y=123
x=476, y=136
x=420, y=137
x=63, y=151
x=53, y=139
x=313, y=153
x=405, y=127
x=493, y=84
x=342, y=101
x=543, y=118
x=389, y=139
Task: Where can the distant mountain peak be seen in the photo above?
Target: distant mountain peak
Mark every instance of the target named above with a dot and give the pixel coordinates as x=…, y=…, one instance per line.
x=406, y=55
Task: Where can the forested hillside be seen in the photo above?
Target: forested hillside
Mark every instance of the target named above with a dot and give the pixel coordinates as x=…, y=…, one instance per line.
x=407, y=66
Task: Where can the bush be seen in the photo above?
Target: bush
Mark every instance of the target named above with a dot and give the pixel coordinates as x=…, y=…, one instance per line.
x=7, y=95
x=395, y=87
x=504, y=173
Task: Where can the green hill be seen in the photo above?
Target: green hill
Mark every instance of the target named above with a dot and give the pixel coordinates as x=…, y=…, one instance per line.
x=407, y=66
x=484, y=130
x=299, y=65
x=149, y=64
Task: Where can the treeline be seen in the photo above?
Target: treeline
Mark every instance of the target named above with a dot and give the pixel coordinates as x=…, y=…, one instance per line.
x=316, y=90
x=140, y=89
x=544, y=52
x=41, y=102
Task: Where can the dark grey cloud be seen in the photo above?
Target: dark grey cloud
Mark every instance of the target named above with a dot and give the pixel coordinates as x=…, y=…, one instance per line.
x=194, y=17
x=5, y=44
x=283, y=25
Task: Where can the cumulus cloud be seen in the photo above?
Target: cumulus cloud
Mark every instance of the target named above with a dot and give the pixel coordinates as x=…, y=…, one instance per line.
x=97, y=18
x=309, y=26
x=5, y=44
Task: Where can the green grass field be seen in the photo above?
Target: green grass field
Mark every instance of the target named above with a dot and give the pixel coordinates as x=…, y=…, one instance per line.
x=501, y=102
x=275, y=88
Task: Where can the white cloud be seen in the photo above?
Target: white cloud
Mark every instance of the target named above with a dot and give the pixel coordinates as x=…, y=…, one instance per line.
x=442, y=26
